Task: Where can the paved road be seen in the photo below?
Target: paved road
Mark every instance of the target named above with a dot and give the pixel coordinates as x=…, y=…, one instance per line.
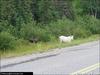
x=82, y=58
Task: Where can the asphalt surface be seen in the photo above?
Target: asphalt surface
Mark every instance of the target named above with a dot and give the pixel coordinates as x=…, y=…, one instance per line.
x=69, y=61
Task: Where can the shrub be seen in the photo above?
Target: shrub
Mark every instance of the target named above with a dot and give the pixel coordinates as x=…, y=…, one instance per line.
x=79, y=32
x=27, y=30
x=34, y=31
x=4, y=26
x=61, y=27
x=89, y=23
x=93, y=24
x=67, y=27
x=7, y=41
x=42, y=34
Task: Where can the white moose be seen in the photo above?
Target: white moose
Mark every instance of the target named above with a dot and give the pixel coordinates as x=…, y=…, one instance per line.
x=66, y=38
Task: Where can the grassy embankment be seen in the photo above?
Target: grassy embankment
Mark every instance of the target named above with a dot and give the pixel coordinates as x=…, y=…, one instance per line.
x=43, y=47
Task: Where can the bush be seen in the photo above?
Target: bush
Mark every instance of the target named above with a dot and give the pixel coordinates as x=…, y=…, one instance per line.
x=67, y=27
x=42, y=34
x=93, y=24
x=5, y=26
x=79, y=32
x=7, y=41
x=34, y=31
x=61, y=27
x=89, y=23
x=27, y=30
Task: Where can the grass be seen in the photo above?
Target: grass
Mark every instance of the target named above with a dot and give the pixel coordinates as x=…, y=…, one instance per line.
x=43, y=47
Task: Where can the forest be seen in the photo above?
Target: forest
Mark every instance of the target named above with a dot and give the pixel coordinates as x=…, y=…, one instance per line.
x=32, y=21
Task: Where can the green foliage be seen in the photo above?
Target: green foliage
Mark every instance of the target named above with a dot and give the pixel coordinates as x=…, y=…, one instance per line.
x=46, y=20
x=82, y=27
x=46, y=11
x=7, y=41
x=4, y=25
x=80, y=32
x=90, y=23
x=27, y=30
x=84, y=7
x=61, y=27
x=42, y=34
x=32, y=30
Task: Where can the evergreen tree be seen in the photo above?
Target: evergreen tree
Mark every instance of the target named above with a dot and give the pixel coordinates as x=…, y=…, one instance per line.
x=46, y=11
